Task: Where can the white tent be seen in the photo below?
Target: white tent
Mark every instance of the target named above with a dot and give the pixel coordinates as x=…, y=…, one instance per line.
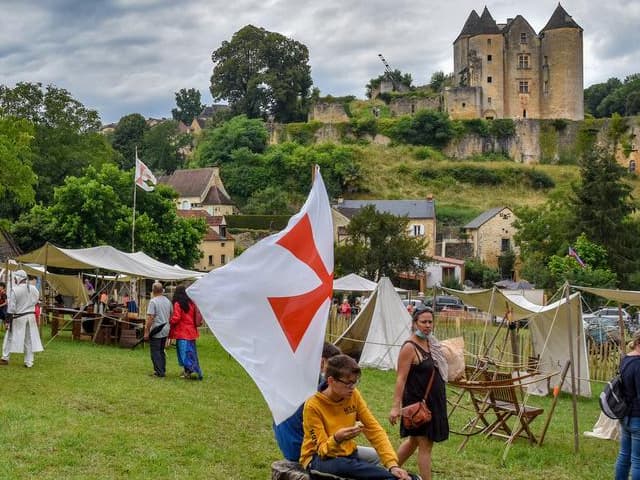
x=354, y=283
x=379, y=330
x=106, y=258
x=549, y=326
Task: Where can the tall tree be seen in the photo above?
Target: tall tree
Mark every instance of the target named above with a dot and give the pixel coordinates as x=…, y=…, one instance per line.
x=217, y=145
x=262, y=74
x=163, y=146
x=379, y=245
x=127, y=136
x=188, y=105
x=65, y=141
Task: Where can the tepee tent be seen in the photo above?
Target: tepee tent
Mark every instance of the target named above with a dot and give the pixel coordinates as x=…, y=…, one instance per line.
x=353, y=283
x=379, y=330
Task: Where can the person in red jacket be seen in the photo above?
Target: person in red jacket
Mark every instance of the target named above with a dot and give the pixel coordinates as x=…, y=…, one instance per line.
x=184, y=329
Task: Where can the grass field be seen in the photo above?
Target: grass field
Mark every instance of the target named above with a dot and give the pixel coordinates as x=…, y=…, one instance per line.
x=92, y=411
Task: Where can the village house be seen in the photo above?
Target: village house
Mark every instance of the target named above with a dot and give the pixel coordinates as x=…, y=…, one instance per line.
x=421, y=215
x=491, y=234
x=217, y=245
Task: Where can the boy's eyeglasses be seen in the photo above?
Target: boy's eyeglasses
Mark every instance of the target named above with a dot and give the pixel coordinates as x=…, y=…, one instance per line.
x=348, y=384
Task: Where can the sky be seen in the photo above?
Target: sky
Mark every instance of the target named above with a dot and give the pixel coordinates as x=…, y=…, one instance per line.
x=131, y=56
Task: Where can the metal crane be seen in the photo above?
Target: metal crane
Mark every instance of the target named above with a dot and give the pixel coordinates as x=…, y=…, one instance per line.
x=389, y=73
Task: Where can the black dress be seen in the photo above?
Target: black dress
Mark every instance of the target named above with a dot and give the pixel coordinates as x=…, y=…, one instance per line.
x=415, y=387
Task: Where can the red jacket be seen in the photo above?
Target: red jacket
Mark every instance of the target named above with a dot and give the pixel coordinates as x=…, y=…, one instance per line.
x=183, y=325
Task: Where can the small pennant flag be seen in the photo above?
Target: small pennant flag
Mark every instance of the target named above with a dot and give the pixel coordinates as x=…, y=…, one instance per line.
x=144, y=178
x=574, y=254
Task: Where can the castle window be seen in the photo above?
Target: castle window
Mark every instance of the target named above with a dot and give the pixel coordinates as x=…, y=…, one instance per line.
x=489, y=58
x=523, y=86
x=488, y=42
x=523, y=61
x=489, y=100
x=464, y=104
x=546, y=60
x=489, y=79
x=545, y=86
x=524, y=114
x=523, y=37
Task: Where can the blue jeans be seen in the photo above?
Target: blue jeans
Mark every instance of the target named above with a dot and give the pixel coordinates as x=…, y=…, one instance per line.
x=351, y=467
x=629, y=455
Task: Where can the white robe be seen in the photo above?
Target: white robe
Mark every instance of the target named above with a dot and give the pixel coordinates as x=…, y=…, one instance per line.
x=23, y=298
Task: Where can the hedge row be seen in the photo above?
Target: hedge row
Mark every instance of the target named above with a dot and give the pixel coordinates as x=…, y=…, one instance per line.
x=257, y=222
x=476, y=175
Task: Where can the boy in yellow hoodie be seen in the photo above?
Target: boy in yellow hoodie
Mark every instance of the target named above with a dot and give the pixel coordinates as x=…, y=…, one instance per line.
x=332, y=420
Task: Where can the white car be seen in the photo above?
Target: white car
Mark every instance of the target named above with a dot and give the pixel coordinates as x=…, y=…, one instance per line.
x=610, y=313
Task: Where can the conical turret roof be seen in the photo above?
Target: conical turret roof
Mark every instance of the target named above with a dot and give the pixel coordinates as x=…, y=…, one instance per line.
x=487, y=24
x=470, y=26
x=560, y=19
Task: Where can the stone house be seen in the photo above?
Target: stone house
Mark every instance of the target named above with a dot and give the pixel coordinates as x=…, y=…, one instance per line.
x=421, y=215
x=217, y=245
x=200, y=189
x=510, y=71
x=491, y=234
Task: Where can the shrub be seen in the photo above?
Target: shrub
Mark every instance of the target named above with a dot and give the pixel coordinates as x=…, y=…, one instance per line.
x=538, y=180
x=303, y=133
x=477, y=126
x=502, y=128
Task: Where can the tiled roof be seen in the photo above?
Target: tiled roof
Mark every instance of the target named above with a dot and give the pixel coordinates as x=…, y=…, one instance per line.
x=213, y=236
x=483, y=218
x=213, y=221
x=487, y=24
x=191, y=182
x=400, y=208
x=560, y=19
x=469, y=25
x=216, y=197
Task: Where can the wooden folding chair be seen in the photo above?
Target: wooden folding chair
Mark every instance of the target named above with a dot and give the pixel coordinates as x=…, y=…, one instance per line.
x=505, y=401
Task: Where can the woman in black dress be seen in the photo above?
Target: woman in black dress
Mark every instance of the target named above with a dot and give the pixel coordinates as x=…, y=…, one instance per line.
x=419, y=356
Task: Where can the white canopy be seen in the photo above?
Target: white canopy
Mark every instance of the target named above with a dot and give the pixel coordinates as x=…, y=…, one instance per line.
x=379, y=330
x=354, y=283
x=106, y=258
x=549, y=327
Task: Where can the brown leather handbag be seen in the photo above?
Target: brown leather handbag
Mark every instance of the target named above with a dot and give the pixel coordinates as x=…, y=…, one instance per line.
x=418, y=413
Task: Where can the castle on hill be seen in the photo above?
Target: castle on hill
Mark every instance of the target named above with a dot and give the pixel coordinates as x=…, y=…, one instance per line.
x=509, y=71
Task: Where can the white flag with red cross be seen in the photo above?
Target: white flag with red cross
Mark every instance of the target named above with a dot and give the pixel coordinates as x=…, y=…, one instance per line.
x=144, y=178
x=269, y=307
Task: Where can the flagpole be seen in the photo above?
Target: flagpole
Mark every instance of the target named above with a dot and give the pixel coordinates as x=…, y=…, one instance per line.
x=133, y=224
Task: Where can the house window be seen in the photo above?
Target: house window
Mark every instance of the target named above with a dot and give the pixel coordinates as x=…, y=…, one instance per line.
x=489, y=79
x=523, y=61
x=489, y=58
x=448, y=274
x=523, y=37
x=523, y=86
x=505, y=245
x=223, y=259
x=417, y=230
x=221, y=244
x=211, y=260
x=185, y=205
x=223, y=231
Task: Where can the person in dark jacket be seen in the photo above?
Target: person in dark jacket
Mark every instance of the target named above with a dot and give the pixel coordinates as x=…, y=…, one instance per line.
x=629, y=455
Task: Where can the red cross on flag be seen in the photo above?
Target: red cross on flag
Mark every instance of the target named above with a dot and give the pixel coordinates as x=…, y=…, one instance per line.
x=145, y=179
x=269, y=307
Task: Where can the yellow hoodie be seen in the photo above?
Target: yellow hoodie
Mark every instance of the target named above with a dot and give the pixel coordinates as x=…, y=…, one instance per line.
x=323, y=416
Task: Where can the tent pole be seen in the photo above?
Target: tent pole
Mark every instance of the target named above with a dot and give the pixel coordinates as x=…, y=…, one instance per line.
x=621, y=326
x=133, y=223
x=574, y=401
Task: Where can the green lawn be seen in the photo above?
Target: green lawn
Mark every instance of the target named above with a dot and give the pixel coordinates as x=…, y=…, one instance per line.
x=92, y=411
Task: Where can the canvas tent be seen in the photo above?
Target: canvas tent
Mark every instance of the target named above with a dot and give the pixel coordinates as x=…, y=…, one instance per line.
x=106, y=258
x=549, y=326
x=378, y=331
x=353, y=283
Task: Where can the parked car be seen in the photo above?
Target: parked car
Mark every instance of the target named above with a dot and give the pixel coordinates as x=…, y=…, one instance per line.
x=415, y=301
x=611, y=313
x=443, y=302
x=601, y=329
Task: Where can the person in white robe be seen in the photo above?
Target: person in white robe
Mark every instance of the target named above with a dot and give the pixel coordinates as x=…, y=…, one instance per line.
x=22, y=335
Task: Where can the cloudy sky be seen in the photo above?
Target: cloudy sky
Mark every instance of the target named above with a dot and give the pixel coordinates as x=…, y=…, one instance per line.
x=131, y=56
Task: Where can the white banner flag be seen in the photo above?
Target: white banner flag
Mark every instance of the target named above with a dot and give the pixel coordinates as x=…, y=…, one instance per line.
x=269, y=307
x=144, y=177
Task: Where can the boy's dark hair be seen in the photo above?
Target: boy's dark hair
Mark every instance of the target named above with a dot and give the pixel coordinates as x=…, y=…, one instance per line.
x=342, y=366
x=330, y=350
x=419, y=311
x=3, y=285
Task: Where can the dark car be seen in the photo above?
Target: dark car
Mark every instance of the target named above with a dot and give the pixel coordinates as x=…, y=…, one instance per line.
x=445, y=302
x=601, y=330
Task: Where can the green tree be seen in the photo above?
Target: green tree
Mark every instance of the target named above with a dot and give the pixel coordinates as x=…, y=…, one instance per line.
x=96, y=209
x=262, y=73
x=17, y=179
x=65, y=141
x=216, y=145
x=480, y=274
x=437, y=81
x=163, y=146
x=426, y=127
x=273, y=201
x=128, y=135
x=379, y=245
x=188, y=105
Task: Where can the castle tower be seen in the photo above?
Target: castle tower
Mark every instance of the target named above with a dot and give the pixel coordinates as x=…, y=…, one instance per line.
x=562, y=77
x=521, y=70
x=478, y=64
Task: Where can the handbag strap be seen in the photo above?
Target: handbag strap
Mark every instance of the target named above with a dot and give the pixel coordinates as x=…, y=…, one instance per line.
x=433, y=372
